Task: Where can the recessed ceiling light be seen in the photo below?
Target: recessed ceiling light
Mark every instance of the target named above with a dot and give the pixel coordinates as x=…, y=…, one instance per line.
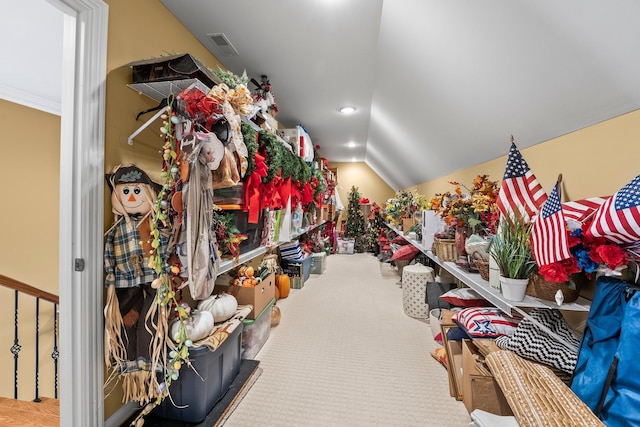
x=347, y=110
x=352, y=144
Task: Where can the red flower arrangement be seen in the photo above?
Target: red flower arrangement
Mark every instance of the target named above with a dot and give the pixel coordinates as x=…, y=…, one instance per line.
x=590, y=255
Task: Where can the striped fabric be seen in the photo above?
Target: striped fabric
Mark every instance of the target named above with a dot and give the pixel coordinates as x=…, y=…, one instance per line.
x=291, y=251
x=520, y=192
x=618, y=219
x=549, y=241
x=579, y=210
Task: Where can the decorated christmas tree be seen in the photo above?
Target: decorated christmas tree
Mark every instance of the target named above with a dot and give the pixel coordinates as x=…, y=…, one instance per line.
x=355, y=226
x=375, y=227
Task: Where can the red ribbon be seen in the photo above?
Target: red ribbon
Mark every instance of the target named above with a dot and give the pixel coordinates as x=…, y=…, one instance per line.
x=285, y=192
x=296, y=193
x=253, y=189
x=199, y=105
x=307, y=194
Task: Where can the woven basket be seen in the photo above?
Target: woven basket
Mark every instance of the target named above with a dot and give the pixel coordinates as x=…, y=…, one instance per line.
x=446, y=249
x=483, y=268
x=536, y=396
x=540, y=288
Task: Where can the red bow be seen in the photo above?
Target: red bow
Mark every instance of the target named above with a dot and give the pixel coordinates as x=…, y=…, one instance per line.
x=253, y=189
x=197, y=104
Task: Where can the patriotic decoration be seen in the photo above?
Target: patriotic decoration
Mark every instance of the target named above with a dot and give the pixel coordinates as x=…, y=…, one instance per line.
x=520, y=192
x=618, y=218
x=579, y=210
x=549, y=242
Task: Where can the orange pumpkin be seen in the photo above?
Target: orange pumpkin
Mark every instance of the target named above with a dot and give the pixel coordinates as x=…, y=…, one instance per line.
x=283, y=283
x=277, y=293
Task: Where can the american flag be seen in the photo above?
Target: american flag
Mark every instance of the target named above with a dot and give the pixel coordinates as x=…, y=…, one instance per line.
x=579, y=210
x=520, y=191
x=549, y=242
x=618, y=219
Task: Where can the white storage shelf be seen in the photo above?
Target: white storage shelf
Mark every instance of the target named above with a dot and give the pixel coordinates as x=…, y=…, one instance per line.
x=230, y=264
x=481, y=286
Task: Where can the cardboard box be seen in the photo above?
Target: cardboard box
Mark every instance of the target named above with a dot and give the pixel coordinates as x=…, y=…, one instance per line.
x=407, y=223
x=480, y=389
x=259, y=297
x=324, y=214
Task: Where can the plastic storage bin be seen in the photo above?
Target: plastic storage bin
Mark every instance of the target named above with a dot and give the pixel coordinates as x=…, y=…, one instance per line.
x=300, y=268
x=256, y=332
x=217, y=368
x=318, y=262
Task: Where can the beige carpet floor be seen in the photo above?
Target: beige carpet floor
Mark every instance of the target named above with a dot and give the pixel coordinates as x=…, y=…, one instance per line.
x=345, y=354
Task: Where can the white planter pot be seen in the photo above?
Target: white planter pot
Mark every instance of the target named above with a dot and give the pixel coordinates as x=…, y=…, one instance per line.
x=513, y=289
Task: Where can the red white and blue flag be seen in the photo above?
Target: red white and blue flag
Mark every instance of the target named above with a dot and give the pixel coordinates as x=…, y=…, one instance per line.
x=618, y=219
x=579, y=210
x=520, y=192
x=549, y=241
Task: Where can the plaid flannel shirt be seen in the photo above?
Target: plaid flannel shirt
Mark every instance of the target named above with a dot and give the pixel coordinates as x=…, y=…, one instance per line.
x=125, y=262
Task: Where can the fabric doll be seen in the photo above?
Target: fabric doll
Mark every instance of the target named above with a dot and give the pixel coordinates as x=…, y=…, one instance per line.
x=128, y=332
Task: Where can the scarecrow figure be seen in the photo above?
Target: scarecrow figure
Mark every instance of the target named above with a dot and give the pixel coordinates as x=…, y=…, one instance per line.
x=128, y=329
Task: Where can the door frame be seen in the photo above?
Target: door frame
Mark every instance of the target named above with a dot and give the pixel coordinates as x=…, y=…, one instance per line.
x=82, y=211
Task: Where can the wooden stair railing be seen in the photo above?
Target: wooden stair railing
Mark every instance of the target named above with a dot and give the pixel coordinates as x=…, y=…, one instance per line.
x=18, y=288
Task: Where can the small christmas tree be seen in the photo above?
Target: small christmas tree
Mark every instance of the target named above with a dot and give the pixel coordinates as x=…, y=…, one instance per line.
x=355, y=227
x=375, y=226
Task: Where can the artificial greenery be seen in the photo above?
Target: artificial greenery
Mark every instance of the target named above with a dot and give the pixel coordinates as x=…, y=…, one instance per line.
x=165, y=301
x=511, y=250
x=249, y=137
x=375, y=228
x=230, y=79
x=355, y=226
x=275, y=153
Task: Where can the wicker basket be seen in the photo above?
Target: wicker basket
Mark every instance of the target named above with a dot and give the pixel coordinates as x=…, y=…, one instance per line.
x=536, y=396
x=446, y=249
x=540, y=288
x=483, y=268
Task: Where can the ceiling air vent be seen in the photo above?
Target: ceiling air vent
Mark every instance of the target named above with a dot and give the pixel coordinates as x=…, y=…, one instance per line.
x=223, y=44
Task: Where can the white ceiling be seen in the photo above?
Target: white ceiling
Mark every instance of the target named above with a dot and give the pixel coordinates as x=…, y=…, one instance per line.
x=31, y=37
x=440, y=85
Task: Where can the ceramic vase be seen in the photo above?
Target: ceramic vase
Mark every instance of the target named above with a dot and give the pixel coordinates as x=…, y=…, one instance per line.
x=513, y=289
x=462, y=232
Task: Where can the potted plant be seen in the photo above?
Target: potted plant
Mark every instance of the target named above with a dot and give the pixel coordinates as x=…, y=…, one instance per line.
x=511, y=249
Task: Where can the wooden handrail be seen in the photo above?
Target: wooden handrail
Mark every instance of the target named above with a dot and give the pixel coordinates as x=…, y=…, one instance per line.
x=28, y=289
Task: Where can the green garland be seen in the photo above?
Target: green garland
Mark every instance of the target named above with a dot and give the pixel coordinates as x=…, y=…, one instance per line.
x=249, y=136
x=317, y=173
x=275, y=152
x=290, y=167
x=230, y=79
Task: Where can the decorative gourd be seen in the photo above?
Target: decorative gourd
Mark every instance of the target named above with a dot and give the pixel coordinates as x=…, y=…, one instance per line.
x=198, y=326
x=283, y=283
x=275, y=316
x=222, y=306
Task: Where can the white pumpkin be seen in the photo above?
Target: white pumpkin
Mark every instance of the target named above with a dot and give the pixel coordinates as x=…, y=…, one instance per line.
x=222, y=306
x=198, y=326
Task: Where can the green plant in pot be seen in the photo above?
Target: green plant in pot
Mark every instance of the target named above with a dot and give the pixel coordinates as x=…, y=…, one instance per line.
x=510, y=247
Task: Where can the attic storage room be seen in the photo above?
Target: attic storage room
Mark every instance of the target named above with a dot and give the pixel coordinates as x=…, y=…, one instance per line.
x=359, y=251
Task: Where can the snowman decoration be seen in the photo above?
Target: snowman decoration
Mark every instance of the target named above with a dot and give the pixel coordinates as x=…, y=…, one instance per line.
x=128, y=329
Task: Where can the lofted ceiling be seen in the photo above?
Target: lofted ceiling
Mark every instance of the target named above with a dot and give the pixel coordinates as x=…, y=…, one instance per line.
x=439, y=85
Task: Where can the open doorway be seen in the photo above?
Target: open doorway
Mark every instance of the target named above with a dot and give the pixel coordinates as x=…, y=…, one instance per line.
x=81, y=154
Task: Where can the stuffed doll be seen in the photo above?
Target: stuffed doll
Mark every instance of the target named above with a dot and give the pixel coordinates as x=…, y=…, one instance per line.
x=128, y=331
